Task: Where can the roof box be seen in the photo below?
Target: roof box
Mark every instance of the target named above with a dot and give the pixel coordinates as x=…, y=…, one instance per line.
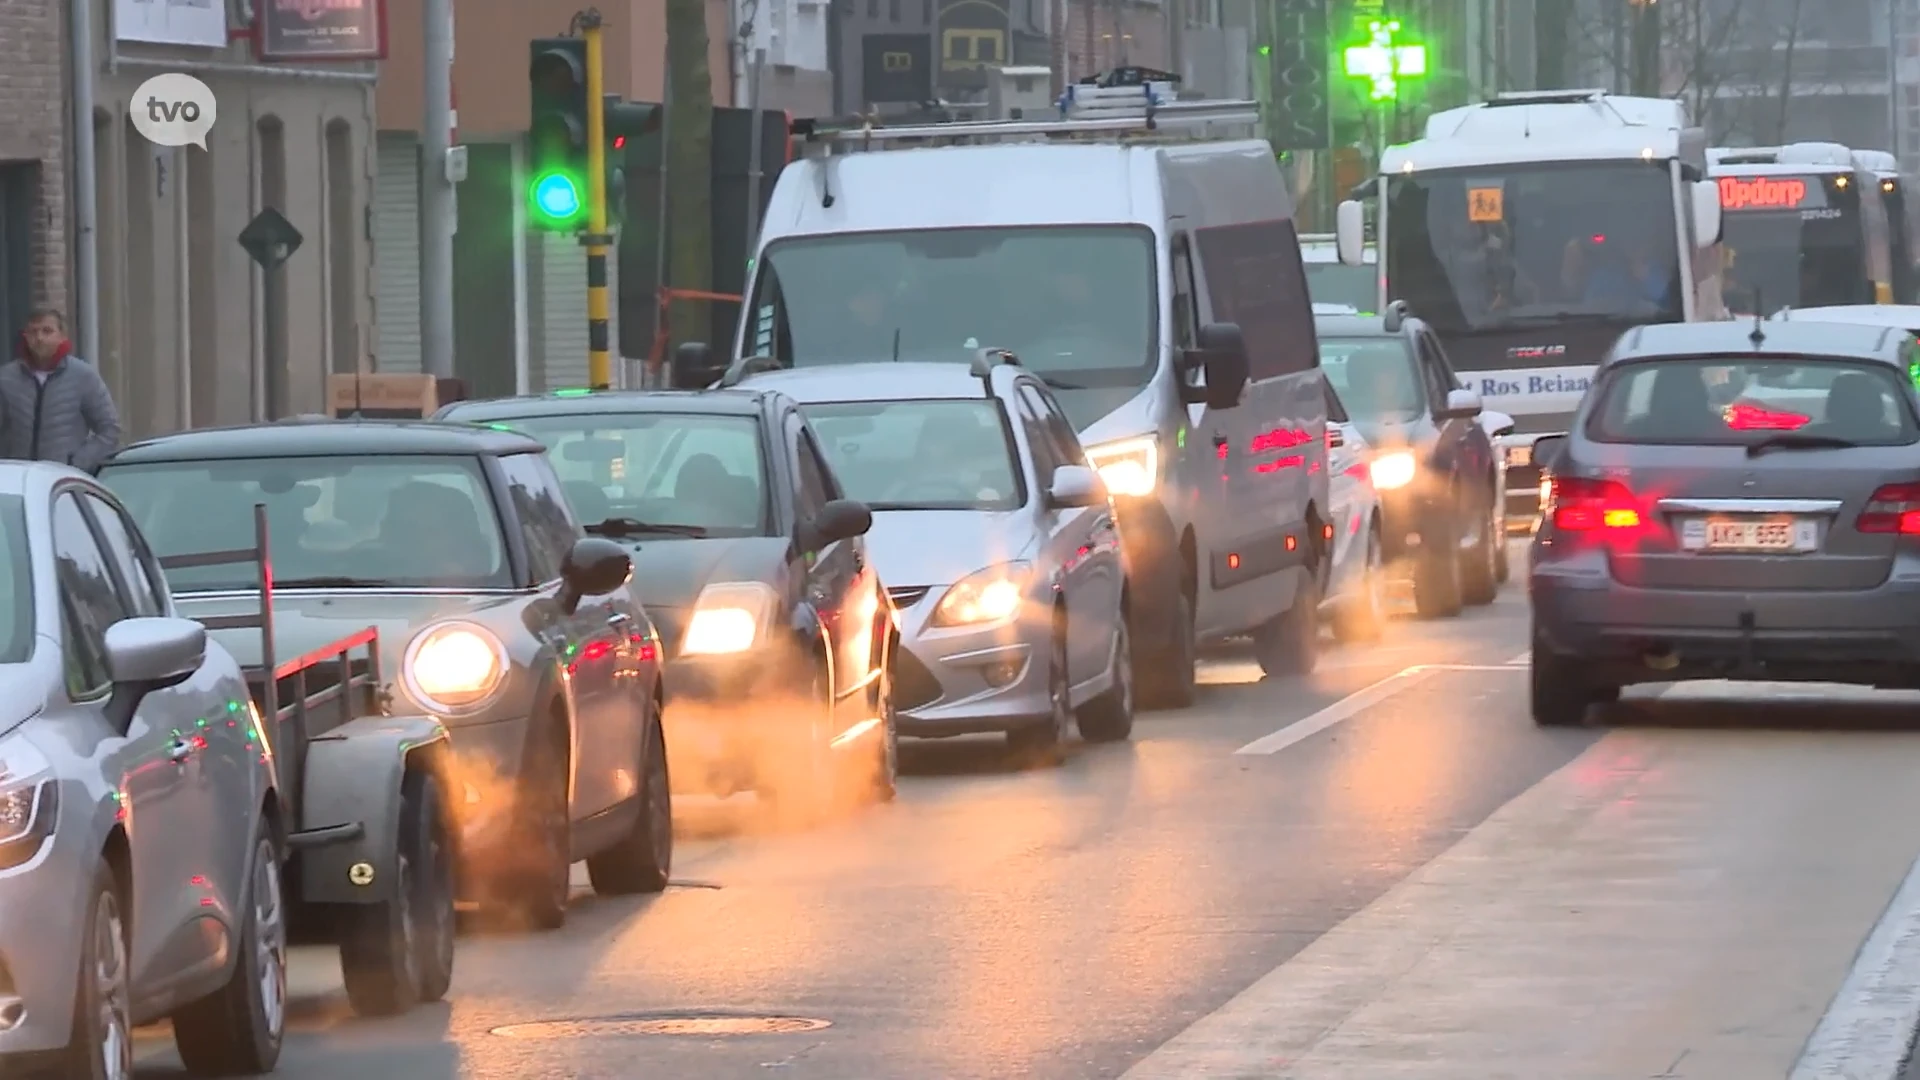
x=1519, y=114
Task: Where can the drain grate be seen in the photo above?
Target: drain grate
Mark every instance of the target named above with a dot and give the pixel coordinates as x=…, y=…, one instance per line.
x=699, y=1025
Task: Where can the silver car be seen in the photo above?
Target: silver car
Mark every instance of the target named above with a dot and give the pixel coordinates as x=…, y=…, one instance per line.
x=996, y=541
x=139, y=871
x=1733, y=501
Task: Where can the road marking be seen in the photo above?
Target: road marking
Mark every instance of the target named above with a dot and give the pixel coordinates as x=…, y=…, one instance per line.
x=1345, y=709
x=1868, y=1029
x=1523, y=660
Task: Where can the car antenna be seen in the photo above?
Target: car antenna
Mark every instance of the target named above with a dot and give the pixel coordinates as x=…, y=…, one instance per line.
x=896, y=344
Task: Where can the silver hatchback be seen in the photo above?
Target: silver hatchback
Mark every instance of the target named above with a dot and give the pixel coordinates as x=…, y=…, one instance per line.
x=997, y=543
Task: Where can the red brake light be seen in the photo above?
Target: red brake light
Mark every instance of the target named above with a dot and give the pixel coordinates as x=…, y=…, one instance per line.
x=1894, y=508
x=1741, y=416
x=1582, y=505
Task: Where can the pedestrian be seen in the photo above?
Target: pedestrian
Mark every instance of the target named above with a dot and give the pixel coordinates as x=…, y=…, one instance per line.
x=54, y=406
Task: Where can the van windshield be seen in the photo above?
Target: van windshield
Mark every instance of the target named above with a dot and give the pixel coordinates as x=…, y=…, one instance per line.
x=1076, y=304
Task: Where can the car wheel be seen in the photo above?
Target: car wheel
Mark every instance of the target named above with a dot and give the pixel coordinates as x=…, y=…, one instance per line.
x=237, y=1030
x=102, y=1044
x=1480, y=564
x=883, y=772
x=532, y=888
x=1502, y=563
x=1167, y=675
x=801, y=782
x=399, y=952
x=643, y=859
x=1436, y=573
x=1044, y=743
x=1362, y=616
x=1109, y=717
x=1558, y=695
x=1290, y=643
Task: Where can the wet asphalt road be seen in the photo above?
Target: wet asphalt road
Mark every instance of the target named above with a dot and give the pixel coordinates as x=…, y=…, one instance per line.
x=991, y=923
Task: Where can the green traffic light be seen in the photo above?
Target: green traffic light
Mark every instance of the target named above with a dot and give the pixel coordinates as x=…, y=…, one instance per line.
x=557, y=196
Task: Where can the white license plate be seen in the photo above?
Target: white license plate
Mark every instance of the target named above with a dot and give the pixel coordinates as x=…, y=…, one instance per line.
x=1519, y=455
x=1750, y=534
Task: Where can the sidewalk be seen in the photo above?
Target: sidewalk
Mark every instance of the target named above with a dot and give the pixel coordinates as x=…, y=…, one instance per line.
x=1677, y=904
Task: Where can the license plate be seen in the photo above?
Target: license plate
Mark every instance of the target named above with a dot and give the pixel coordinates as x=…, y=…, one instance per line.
x=1750, y=534
x=1519, y=455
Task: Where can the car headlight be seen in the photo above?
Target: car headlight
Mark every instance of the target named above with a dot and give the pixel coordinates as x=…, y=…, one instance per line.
x=1394, y=470
x=728, y=618
x=29, y=801
x=1130, y=467
x=995, y=594
x=454, y=667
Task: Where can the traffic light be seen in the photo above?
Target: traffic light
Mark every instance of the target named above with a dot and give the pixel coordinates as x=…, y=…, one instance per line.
x=625, y=121
x=557, y=136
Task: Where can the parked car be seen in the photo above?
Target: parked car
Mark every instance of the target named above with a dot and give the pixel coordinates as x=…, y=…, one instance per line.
x=497, y=616
x=997, y=540
x=1443, y=513
x=754, y=564
x=139, y=850
x=1734, y=501
x=1356, y=591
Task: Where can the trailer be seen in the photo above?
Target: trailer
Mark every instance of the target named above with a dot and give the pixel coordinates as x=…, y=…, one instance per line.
x=369, y=838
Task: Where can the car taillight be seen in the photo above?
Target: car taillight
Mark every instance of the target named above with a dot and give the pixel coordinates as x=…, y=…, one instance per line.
x=1894, y=508
x=1583, y=505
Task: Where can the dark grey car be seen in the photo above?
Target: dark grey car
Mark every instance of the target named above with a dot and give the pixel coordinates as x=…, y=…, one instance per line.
x=1732, y=502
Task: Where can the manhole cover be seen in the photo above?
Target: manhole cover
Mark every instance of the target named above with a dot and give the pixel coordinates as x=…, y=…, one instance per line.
x=684, y=1024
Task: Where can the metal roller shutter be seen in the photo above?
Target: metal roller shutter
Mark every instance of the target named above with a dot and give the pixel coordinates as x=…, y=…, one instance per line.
x=560, y=347
x=396, y=252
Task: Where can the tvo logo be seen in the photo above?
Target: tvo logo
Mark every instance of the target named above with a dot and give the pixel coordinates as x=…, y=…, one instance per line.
x=173, y=110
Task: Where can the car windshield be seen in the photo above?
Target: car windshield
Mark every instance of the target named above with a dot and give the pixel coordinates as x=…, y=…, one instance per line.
x=1792, y=241
x=1076, y=304
x=1733, y=401
x=16, y=583
x=1495, y=247
x=332, y=522
x=1338, y=283
x=1375, y=378
x=921, y=455
x=697, y=474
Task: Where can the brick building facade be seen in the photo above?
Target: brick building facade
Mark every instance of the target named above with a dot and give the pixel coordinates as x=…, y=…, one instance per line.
x=33, y=160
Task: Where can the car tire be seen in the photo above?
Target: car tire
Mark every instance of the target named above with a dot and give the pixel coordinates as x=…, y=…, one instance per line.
x=1557, y=694
x=1436, y=574
x=399, y=952
x=1044, y=743
x=808, y=796
x=1290, y=643
x=102, y=1044
x=1502, y=561
x=1167, y=675
x=882, y=779
x=238, y=1029
x=643, y=859
x=533, y=890
x=1480, y=564
x=1109, y=717
x=1362, y=617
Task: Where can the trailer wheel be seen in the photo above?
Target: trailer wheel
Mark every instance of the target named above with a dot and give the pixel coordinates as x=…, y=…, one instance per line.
x=397, y=952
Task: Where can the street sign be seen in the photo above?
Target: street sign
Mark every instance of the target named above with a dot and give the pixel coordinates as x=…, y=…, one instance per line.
x=270, y=238
x=1299, y=111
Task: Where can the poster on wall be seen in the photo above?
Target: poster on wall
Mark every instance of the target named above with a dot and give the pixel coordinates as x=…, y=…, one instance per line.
x=320, y=30
x=200, y=23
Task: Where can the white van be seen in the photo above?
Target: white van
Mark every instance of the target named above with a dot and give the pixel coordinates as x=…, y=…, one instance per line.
x=1150, y=277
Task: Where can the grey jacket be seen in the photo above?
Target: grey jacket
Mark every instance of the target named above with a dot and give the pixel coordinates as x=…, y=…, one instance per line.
x=70, y=418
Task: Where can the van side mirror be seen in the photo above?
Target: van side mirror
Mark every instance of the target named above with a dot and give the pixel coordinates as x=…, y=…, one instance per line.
x=1350, y=232
x=694, y=368
x=1498, y=424
x=1461, y=405
x=1075, y=485
x=594, y=567
x=1707, y=218
x=1221, y=354
x=148, y=654
x=1547, y=450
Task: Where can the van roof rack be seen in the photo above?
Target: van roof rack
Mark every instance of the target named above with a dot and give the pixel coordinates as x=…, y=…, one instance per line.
x=746, y=368
x=1142, y=109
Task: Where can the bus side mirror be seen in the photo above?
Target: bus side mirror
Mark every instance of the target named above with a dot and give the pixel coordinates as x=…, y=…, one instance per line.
x=1706, y=213
x=1350, y=230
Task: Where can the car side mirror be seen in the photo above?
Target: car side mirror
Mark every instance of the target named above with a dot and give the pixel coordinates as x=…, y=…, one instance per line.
x=1547, y=450
x=694, y=368
x=1461, y=405
x=595, y=566
x=1075, y=485
x=1498, y=424
x=1350, y=232
x=841, y=519
x=1707, y=215
x=149, y=654
x=1221, y=354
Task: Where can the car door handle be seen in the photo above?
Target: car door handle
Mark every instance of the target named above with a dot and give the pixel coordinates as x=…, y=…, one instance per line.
x=178, y=751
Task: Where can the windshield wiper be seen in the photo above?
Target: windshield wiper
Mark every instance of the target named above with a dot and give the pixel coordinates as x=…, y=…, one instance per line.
x=330, y=582
x=1799, y=442
x=621, y=527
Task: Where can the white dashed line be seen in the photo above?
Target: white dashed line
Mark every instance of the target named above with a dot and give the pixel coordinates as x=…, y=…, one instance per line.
x=1352, y=705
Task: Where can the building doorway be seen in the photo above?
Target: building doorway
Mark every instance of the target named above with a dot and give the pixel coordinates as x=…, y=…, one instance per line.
x=19, y=191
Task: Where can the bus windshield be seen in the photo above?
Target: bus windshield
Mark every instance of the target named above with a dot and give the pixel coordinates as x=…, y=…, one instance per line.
x=1507, y=246
x=1793, y=241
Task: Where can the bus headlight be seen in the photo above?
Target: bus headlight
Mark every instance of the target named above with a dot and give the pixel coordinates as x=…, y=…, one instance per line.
x=1129, y=467
x=454, y=667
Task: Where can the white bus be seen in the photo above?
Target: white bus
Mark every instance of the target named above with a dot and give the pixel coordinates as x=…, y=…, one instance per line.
x=1530, y=231
x=1806, y=226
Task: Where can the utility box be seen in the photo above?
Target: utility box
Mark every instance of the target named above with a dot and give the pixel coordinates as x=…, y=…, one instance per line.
x=1020, y=93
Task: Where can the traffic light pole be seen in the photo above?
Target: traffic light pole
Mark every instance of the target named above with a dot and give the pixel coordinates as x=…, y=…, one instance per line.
x=597, y=239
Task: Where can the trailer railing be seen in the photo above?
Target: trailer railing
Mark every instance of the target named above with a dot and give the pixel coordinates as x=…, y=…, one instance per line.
x=293, y=709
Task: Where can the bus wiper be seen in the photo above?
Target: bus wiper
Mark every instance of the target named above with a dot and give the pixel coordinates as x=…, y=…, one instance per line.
x=1799, y=442
x=623, y=527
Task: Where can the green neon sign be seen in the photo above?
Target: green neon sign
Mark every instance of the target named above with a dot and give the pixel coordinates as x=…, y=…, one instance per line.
x=1384, y=62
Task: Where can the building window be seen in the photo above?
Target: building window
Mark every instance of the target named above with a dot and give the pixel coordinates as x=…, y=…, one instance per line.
x=271, y=137
x=893, y=11
x=137, y=277
x=342, y=281
x=873, y=10
x=926, y=12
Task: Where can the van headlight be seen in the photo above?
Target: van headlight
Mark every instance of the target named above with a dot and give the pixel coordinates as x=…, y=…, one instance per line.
x=1394, y=470
x=29, y=801
x=1129, y=467
x=730, y=617
x=993, y=595
x=454, y=667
